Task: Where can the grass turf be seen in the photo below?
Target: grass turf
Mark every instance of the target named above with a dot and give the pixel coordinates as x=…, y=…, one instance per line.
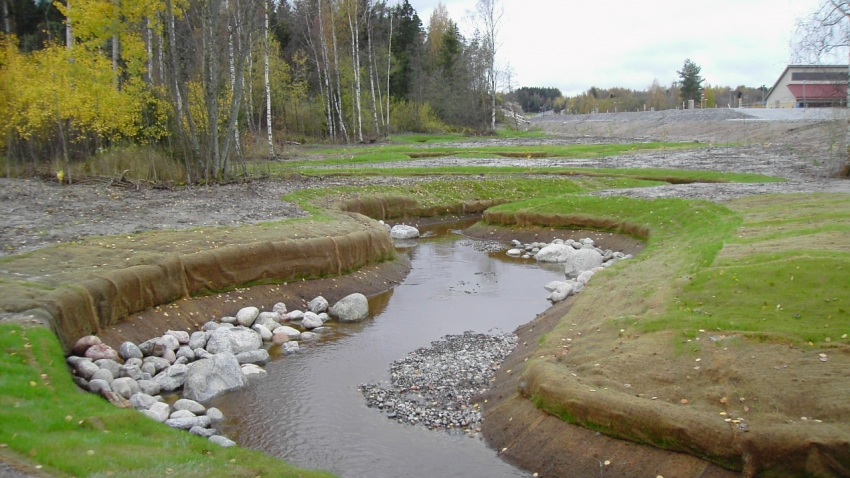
x=45, y=417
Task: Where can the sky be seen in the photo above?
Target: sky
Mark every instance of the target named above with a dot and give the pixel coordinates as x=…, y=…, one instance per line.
x=573, y=45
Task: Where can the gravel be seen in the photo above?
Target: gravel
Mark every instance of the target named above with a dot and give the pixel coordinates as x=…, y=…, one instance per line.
x=435, y=386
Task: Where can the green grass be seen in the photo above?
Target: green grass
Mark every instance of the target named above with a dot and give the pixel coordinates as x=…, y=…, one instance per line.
x=664, y=175
x=47, y=419
x=443, y=192
x=728, y=281
x=400, y=152
x=454, y=137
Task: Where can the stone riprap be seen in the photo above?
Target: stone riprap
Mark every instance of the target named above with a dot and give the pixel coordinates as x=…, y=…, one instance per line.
x=434, y=387
x=581, y=259
x=221, y=357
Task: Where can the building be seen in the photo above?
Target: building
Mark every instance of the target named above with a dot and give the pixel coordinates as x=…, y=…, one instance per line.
x=809, y=86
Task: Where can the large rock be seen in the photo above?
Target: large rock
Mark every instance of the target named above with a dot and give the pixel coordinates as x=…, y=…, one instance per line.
x=246, y=316
x=318, y=305
x=260, y=357
x=279, y=308
x=198, y=340
x=142, y=401
x=102, y=374
x=109, y=364
x=102, y=351
x=264, y=331
x=253, y=371
x=584, y=277
x=129, y=350
x=86, y=368
x=172, y=378
x=268, y=320
x=404, y=232
x=234, y=340
x=159, y=364
x=98, y=386
x=582, y=260
x=153, y=347
x=351, y=308
x=125, y=386
x=84, y=343
x=149, y=386
x=290, y=348
x=171, y=343
x=222, y=441
x=560, y=292
x=294, y=315
x=191, y=405
x=181, y=335
x=311, y=321
x=292, y=333
x=159, y=411
x=555, y=253
x=209, y=378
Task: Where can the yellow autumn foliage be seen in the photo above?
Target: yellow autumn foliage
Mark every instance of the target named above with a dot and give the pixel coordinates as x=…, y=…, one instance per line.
x=39, y=89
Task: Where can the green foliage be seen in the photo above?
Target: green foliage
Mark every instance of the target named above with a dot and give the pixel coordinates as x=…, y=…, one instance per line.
x=533, y=99
x=691, y=83
x=409, y=116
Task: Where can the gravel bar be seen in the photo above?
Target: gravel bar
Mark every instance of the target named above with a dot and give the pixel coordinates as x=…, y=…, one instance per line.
x=435, y=386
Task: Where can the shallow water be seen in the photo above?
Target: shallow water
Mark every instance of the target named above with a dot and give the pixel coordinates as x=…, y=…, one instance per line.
x=309, y=411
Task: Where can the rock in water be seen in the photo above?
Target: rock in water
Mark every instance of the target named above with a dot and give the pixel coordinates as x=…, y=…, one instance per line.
x=311, y=321
x=404, y=232
x=209, y=378
x=582, y=260
x=318, y=305
x=234, y=340
x=555, y=253
x=351, y=308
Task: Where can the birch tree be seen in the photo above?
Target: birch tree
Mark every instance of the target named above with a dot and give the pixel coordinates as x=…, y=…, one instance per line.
x=488, y=14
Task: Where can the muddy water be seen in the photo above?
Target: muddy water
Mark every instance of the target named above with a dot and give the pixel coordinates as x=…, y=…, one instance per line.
x=309, y=411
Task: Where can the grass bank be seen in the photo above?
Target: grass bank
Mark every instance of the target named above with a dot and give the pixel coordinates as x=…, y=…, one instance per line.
x=727, y=329
x=46, y=419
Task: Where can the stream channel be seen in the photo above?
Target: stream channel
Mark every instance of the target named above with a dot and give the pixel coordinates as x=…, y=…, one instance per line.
x=309, y=411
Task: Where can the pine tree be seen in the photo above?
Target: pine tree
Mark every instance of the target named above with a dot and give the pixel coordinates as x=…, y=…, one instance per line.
x=691, y=84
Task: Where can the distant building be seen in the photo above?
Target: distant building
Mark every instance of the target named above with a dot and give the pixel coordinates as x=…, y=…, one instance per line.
x=809, y=86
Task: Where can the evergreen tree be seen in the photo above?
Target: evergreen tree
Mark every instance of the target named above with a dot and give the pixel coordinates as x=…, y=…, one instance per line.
x=691, y=84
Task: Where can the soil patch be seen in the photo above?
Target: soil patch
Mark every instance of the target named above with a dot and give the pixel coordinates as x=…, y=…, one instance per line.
x=536, y=441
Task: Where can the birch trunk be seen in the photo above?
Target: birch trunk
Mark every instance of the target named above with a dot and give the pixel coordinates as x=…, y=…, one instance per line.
x=69, y=32
x=375, y=101
x=328, y=84
x=266, y=78
x=389, y=64
x=355, y=58
x=338, y=102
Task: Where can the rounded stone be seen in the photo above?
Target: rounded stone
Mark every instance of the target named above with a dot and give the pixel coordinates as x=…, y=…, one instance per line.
x=129, y=350
x=84, y=343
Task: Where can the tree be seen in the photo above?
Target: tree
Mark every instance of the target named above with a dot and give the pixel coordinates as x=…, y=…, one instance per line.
x=691, y=82
x=489, y=14
x=819, y=35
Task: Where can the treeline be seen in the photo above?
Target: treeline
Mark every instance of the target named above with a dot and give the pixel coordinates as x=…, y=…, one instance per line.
x=533, y=99
x=213, y=82
x=656, y=96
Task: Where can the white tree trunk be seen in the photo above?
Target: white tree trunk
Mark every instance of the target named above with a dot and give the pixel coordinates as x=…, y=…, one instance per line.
x=338, y=84
x=389, y=64
x=69, y=32
x=266, y=76
x=355, y=57
x=325, y=63
x=375, y=101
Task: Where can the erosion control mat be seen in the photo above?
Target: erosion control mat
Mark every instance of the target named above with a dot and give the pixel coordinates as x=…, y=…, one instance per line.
x=86, y=287
x=760, y=404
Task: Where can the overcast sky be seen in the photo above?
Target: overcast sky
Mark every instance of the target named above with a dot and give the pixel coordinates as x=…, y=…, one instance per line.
x=573, y=45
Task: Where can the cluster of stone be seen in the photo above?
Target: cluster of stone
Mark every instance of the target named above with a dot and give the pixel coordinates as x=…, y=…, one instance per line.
x=435, y=386
x=581, y=259
x=220, y=358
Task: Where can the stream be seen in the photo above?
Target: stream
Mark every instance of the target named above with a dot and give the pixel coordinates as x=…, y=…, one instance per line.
x=309, y=411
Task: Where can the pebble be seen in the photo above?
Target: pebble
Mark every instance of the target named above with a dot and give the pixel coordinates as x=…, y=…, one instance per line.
x=433, y=386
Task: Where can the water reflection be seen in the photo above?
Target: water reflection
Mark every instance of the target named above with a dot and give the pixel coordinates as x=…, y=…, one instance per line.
x=309, y=411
